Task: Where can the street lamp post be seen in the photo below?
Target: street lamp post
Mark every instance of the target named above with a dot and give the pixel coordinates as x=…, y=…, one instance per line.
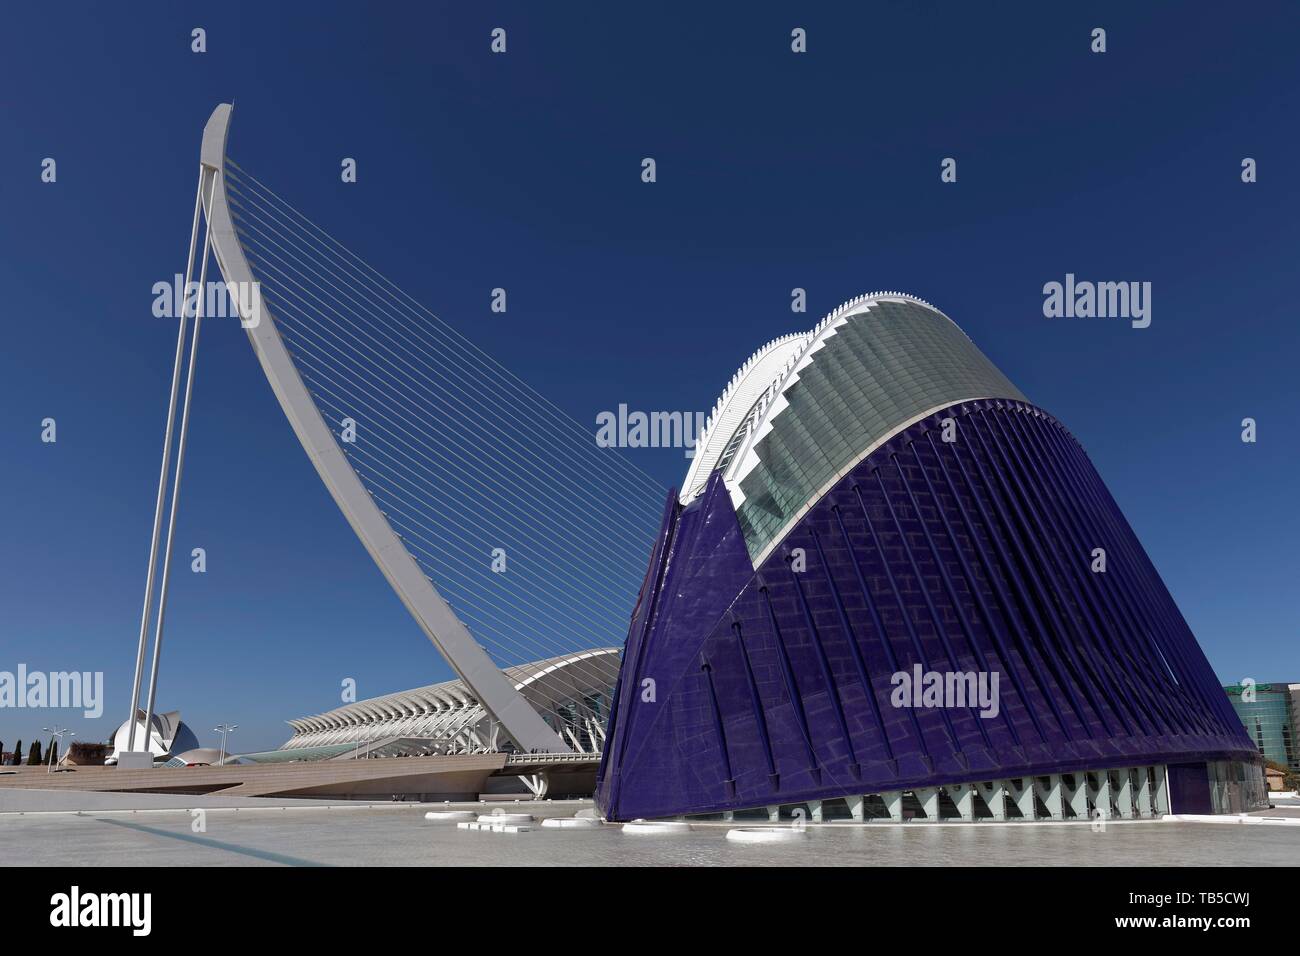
x=55, y=733
x=224, y=729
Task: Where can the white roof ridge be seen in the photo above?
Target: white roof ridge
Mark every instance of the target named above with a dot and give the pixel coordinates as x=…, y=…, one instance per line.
x=811, y=341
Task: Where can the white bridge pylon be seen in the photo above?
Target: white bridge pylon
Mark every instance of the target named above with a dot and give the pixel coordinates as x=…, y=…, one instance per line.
x=440, y=624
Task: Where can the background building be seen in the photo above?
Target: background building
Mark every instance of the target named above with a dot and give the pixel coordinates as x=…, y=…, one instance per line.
x=168, y=735
x=874, y=499
x=572, y=692
x=1271, y=719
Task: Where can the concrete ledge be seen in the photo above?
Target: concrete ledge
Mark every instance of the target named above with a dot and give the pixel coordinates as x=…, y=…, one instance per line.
x=456, y=777
x=1261, y=819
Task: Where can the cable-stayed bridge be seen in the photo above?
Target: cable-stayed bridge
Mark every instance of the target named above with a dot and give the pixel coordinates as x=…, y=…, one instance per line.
x=508, y=534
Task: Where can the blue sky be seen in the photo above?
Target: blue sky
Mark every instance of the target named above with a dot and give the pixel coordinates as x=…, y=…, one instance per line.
x=775, y=170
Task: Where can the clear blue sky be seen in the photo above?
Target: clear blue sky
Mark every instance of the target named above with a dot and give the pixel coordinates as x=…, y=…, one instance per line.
x=522, y=171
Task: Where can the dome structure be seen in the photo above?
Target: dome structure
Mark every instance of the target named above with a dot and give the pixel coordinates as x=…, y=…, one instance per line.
x=168, y=735
x=889, y=574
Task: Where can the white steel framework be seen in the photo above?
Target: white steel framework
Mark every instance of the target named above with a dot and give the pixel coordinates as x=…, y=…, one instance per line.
x=448, y=718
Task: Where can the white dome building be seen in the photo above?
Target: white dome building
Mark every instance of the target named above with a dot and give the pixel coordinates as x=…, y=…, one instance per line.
x=169, y=735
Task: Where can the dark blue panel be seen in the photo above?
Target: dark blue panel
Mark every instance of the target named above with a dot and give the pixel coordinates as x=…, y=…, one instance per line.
x=699, y=564
x=772, y=685
x=1189, y=788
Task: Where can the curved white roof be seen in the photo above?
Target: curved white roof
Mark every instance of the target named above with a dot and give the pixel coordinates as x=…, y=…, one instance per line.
x=450, y=706
x=751, y=380
x=168, y=734
x=800, y=415
x=757, y=387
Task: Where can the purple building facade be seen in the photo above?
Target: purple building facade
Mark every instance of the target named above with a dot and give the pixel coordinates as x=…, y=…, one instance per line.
x=892, y=581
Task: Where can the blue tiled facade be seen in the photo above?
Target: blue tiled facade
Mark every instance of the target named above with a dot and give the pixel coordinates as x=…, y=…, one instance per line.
x=744, y=687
